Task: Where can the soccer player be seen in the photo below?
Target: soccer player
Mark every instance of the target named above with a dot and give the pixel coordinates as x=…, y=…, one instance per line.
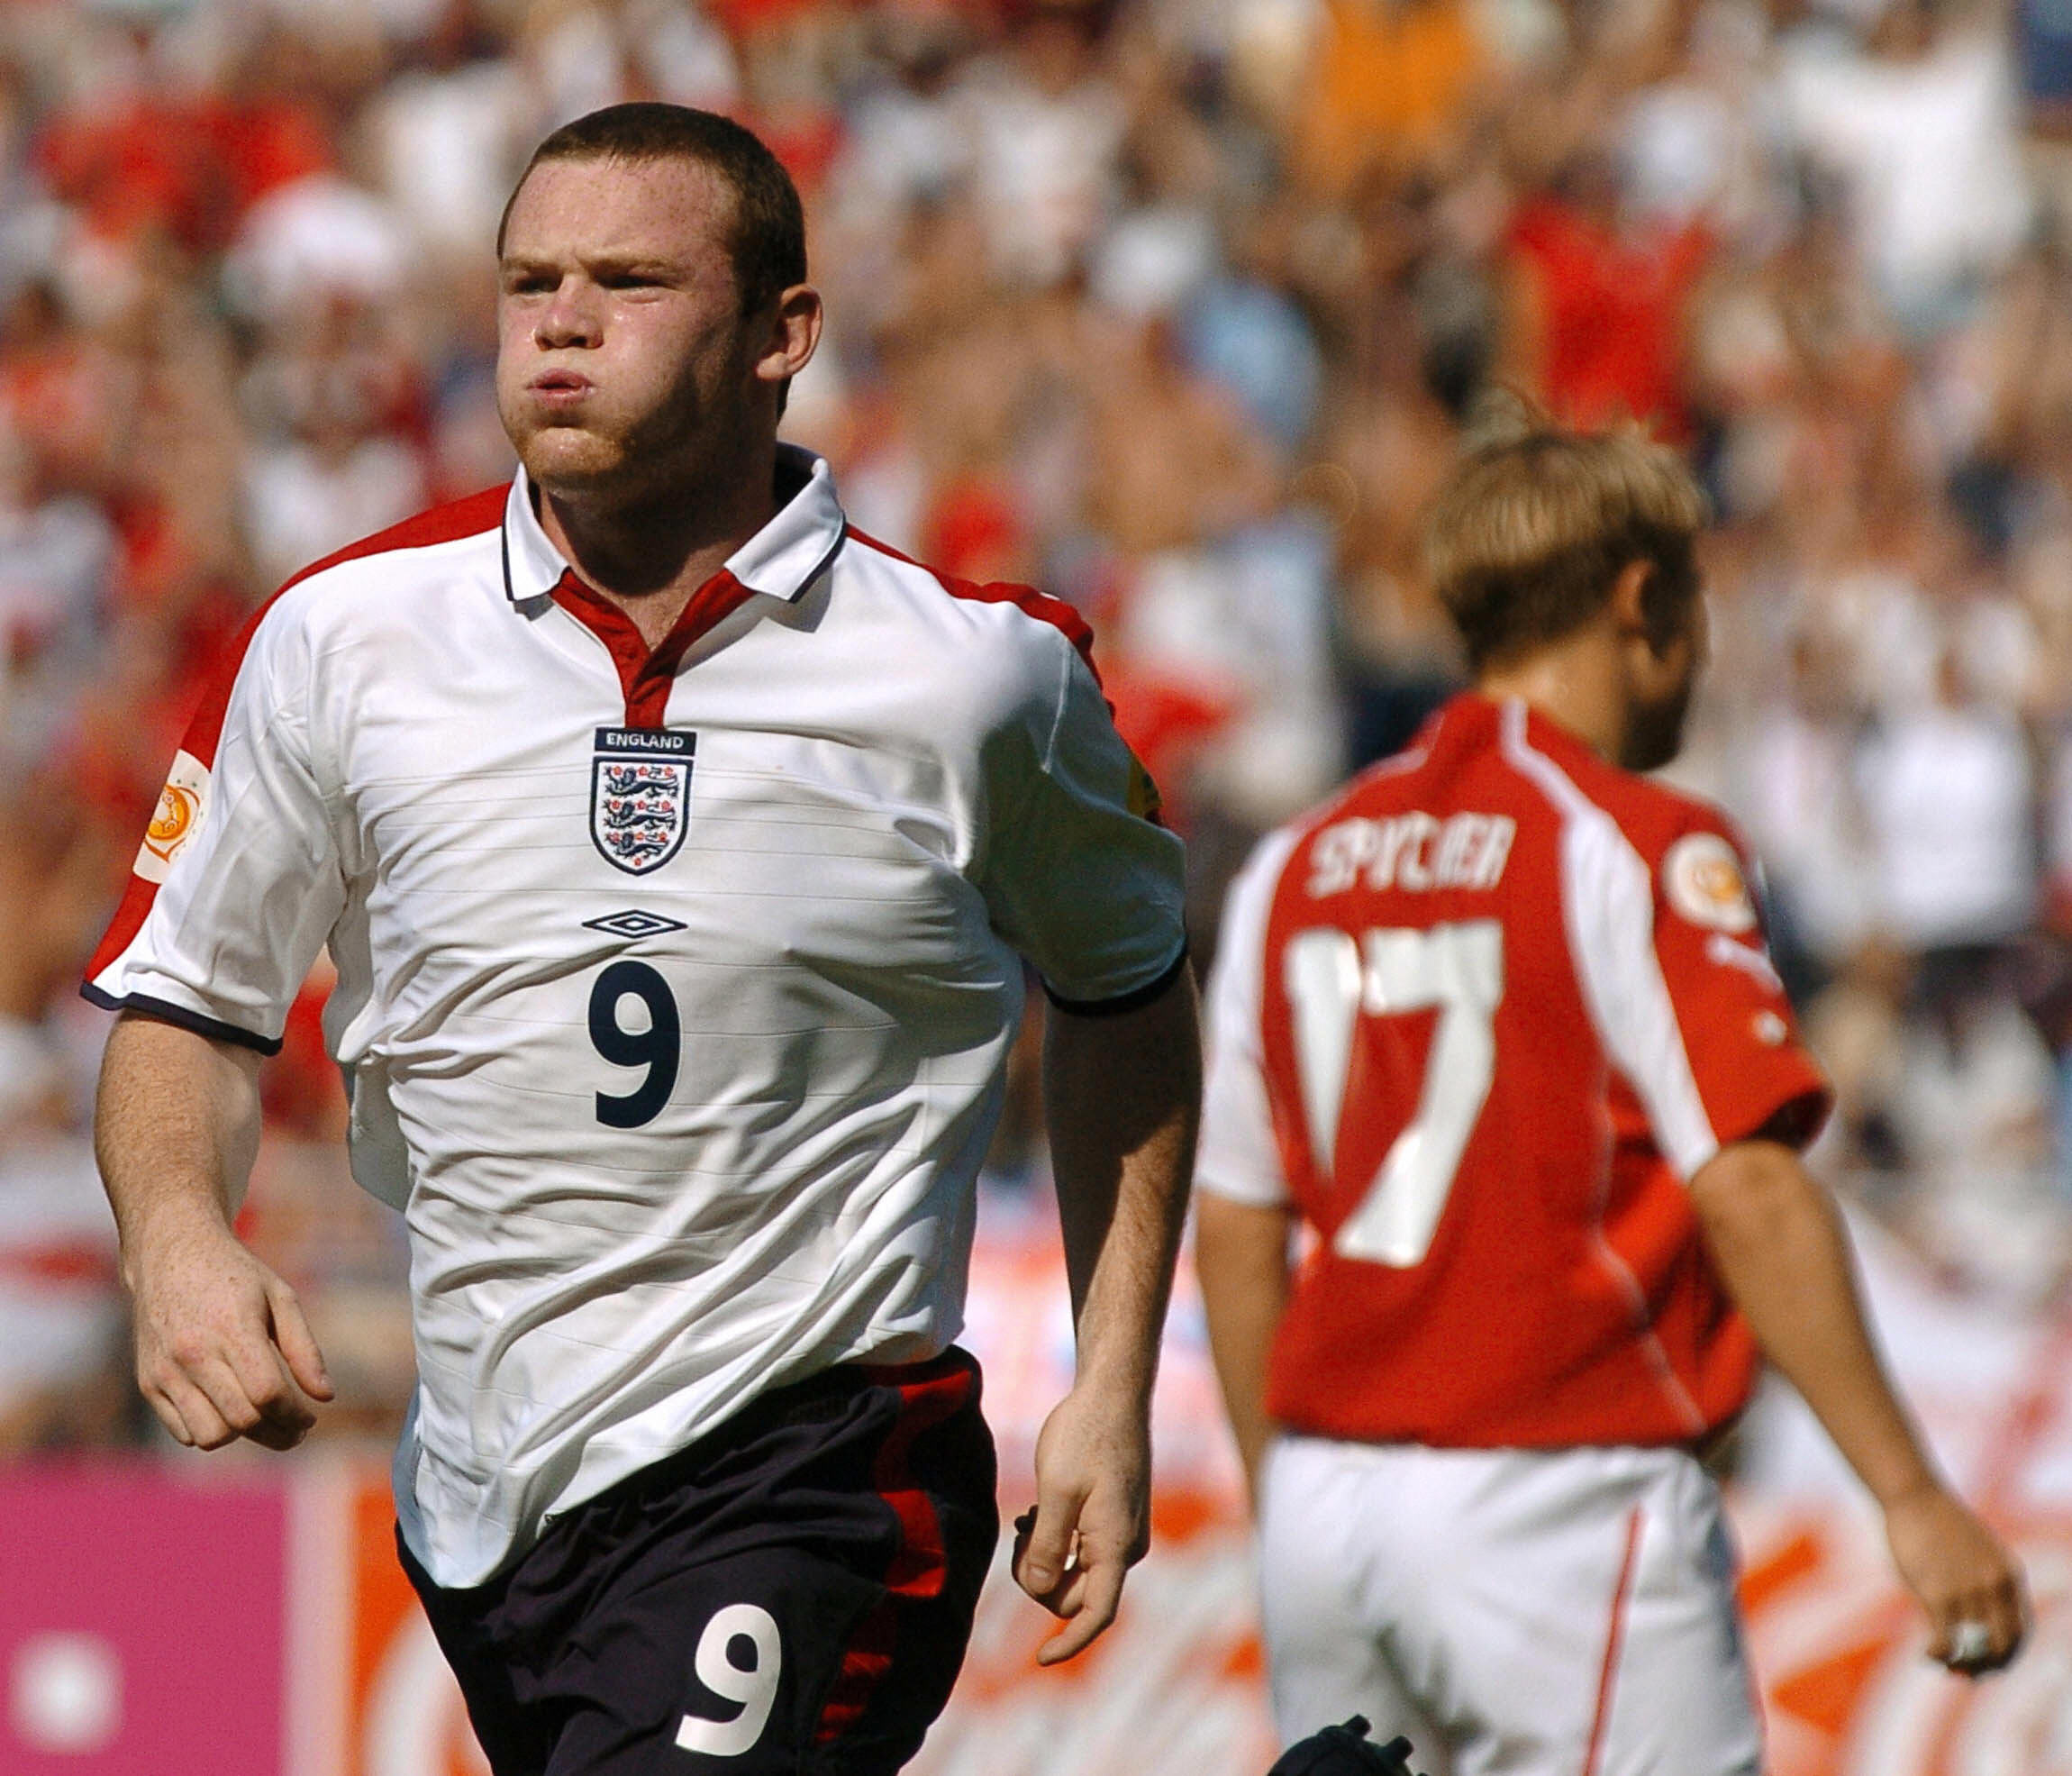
x=678, y=849
x=1497, y=1030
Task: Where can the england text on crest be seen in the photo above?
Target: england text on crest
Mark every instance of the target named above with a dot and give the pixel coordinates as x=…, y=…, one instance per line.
x=640, y=795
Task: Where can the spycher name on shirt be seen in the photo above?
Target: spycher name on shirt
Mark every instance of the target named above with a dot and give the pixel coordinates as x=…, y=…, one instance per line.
x=1415, y=850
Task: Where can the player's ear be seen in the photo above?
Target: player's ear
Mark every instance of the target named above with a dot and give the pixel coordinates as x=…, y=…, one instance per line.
x=792, y=334
x=1629, y=603
x=1645, y=606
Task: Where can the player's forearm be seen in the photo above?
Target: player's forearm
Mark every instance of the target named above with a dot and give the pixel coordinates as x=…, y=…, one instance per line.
x=1784, y=1256
x=175, y=1126
x=1240, y=1256
x=1123, y=1094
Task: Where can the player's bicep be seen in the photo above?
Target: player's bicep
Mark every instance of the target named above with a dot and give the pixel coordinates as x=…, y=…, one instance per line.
x=1734, y=1020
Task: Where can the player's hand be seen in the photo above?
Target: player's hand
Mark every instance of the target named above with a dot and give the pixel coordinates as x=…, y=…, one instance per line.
x=1961, y=1574
x=1091, y=1519
x=223, y=1349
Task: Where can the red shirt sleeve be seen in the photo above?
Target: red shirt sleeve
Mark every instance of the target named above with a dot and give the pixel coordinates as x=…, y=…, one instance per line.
x=1752, y=1072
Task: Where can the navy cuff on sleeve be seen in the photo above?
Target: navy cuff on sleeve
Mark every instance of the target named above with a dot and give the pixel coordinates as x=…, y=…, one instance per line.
x=166, y=1012
x=1135, y=1000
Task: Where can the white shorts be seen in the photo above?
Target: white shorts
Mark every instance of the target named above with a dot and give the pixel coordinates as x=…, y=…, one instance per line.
x=1536, y=1613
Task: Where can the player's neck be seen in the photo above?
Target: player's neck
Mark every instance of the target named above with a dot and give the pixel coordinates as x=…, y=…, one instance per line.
x=649, y=553
x=1574, y=682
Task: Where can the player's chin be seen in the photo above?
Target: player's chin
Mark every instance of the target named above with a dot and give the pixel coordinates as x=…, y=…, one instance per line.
x=570, y=459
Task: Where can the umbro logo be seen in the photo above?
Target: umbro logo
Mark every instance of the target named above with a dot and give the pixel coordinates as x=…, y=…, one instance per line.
x=633, y=923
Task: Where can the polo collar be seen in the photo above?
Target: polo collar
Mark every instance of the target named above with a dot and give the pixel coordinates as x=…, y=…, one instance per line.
x=780, y=560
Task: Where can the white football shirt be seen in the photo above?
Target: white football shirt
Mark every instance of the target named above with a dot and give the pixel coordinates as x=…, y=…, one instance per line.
x=674, y=990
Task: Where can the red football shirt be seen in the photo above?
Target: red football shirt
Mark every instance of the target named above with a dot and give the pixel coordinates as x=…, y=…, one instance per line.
x=1613, y=313
x=1478, y=1019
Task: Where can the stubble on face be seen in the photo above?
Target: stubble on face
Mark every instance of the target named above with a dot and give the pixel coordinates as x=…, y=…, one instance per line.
x=1655, y=730
x=622, y=363
x=1655, y=723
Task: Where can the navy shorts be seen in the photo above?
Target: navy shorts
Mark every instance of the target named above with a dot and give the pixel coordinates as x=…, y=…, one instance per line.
x=790, y=1596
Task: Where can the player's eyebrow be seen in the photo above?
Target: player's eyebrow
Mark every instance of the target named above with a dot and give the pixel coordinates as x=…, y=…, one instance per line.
x=603, y=264
x=519, y=265
x=651, y=265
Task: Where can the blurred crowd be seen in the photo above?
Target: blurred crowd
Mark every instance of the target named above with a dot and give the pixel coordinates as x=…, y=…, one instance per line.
x=1177, y=308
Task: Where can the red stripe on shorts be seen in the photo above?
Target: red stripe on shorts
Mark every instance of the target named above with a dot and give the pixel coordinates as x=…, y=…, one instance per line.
x=1613, y=1636
x=929, y=1393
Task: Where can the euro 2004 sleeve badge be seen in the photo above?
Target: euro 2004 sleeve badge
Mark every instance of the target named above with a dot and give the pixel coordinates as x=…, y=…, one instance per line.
x=1705, y=884
x=640, y=795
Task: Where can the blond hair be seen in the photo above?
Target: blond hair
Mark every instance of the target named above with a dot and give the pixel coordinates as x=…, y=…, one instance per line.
x=1536, y=522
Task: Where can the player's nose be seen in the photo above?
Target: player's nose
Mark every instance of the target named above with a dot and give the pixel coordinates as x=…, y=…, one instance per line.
x=571, y=316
